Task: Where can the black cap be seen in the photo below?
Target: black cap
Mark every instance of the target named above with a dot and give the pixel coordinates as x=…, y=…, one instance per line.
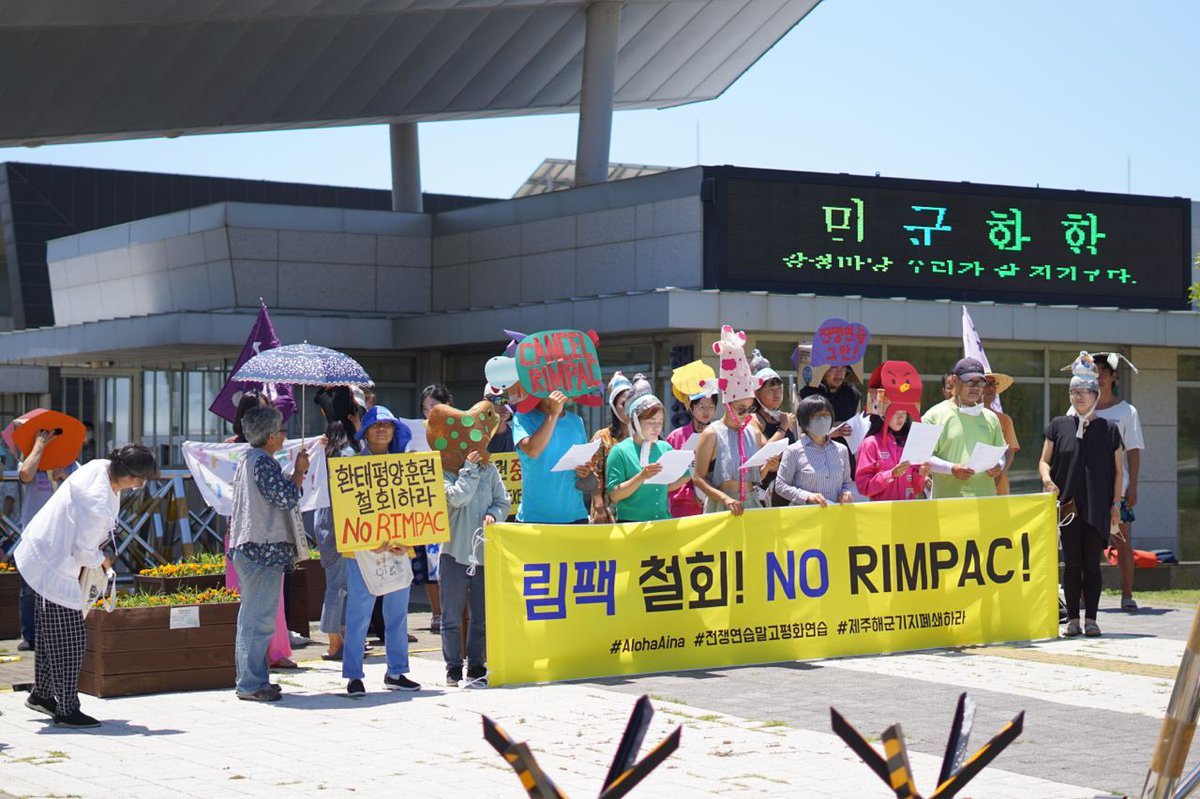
x=967, y=367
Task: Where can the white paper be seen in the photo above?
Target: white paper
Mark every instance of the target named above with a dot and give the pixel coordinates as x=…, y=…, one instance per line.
x=419, y=442
x=859, y=425
x=185, y=617
x=691, y=444
x=922, y=440
x=578, y=455
x=674, y=464
x=985, y=456
x=766, y=453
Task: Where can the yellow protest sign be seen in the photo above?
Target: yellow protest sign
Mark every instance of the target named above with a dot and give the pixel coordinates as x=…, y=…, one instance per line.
x=566, y=602
x=509, y=466
x=380, y=498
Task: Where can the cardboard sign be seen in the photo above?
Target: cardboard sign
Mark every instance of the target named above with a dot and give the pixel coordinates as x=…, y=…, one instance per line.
x=559, y=360
x=509, y=466
x=380, y=499
x=839, y=343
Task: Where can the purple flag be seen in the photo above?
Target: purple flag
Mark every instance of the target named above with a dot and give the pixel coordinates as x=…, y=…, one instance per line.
x=262, y=337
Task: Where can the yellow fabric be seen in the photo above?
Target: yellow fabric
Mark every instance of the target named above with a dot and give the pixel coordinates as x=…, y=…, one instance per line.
x=807, y=586
x=685, y=381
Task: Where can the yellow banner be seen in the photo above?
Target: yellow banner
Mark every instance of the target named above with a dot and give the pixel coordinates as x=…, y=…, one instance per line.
x=380, y=498
x=509, y=466
x=565, y=602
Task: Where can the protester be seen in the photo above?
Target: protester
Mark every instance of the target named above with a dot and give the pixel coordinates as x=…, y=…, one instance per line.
x=543, y=435
x=1120, y=413
x=770, y=423
x=266, y=539
x=502, y=439
x=881, y=474
x=37, y=487
x=1082, y=462
x=338, y=433
x=996, y=385
x=635, y=460
x=842, y=394
x=383, y=433
x=428, y=557
x=723, y=448
x=816, y=469
x=88, y=453
x=948, y=385
x=966, y=423
x=279, y=651
x=69, y=534
x=620, y=391
x=702, y=406
x=476, y=498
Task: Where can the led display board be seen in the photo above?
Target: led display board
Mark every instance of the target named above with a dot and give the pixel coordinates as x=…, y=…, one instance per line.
x=800, y=232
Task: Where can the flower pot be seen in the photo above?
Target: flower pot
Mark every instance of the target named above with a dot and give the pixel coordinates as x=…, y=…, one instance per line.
x=306, y=596
x=169, y=585
x=138, y=651
x=10, y=605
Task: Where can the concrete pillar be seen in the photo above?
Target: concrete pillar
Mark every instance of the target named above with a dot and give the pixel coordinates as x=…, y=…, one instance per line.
x=406, y=167
x=596, y=95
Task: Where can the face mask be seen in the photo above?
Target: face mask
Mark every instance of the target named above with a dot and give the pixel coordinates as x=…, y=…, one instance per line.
x=820, y=427
x=774, y=416
x=971, y=410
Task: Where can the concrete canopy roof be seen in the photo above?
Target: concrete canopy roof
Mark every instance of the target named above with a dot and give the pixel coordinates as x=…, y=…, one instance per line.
x=94, y=70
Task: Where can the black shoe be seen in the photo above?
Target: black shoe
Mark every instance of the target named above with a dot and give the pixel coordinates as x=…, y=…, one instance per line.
x=78, y=720
x=476, y=677
x=45, y=705
x=355, y=689
x=276, y=687
x=400, y=683
x=261, y=695
x=412, y=639
x=24, y=646
x=453, y=676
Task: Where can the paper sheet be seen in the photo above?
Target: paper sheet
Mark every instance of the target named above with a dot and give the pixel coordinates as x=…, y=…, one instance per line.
x=922, y=440
x=985, y=456
x=419, y=442
x=859, y=425
x=691, y=444
x=766, y=453
x=578, y=455
x=674, y=464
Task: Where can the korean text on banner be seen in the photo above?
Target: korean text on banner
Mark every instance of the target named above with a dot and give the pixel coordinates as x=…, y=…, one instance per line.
x=213, y=466
x=567, y=602
x=509, y=466
x=378, y=499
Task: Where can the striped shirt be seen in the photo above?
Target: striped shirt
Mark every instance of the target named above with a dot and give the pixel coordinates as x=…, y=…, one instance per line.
x=808, y=468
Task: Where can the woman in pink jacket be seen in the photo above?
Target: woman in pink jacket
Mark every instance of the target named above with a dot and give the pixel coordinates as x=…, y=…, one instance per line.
x=895, y=392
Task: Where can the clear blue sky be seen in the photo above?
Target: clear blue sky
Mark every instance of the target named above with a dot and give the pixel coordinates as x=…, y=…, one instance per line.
x=1024, y=92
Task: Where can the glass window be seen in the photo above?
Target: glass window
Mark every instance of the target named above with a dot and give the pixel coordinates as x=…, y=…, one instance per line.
x=1189, y=367
x=1025, y=403
x=928, y=360
x=1016, y=363
x=779, y=353
x=1188, y=468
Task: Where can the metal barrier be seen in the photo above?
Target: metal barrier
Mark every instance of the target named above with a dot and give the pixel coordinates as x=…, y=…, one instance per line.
x=166, y=520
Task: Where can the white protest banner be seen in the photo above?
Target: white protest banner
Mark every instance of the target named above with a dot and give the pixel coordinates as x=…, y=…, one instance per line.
x=214, y=465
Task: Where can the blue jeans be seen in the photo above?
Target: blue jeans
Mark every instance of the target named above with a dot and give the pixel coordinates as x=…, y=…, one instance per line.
x=359, y=604
x=333, y=611
x=26, y=605
x=259, y=587
x=456, y=586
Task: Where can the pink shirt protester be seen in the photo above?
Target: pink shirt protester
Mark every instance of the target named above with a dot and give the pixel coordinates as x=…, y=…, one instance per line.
x=683, y=502
x=877, y=456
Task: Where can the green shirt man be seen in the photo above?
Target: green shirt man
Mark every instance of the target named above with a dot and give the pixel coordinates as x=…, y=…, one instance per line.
x=966, y=423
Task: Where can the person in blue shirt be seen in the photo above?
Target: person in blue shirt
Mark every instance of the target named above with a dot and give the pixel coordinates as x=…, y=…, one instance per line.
x=542, y=436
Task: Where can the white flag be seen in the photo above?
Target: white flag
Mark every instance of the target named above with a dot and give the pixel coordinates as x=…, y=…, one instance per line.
x=973, y=348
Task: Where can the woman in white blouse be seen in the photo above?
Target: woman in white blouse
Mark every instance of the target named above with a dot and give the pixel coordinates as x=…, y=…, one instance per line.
x=67, y=535
x=816, y=469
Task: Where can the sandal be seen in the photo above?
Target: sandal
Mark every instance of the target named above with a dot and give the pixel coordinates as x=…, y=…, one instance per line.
x=1072, y=629
x=1091, y=629
x=331, y=655
x=284, y=663
x=1128, y=605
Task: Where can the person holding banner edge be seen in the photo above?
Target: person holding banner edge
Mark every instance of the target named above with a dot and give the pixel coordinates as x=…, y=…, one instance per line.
x=815, y=470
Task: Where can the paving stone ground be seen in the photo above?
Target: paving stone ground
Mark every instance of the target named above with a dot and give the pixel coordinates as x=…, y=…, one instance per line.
x=1092, y=713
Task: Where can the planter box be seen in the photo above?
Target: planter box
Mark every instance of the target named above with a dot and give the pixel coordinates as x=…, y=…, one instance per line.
x=169, y=585
x=10, y=605
x=306, y=596
x=135, y=651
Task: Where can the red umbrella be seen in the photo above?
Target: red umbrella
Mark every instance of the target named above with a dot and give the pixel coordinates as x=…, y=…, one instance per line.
x=63, y=449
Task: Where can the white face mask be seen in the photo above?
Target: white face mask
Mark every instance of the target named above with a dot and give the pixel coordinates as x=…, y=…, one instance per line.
x=971, y=410
x=819, y=427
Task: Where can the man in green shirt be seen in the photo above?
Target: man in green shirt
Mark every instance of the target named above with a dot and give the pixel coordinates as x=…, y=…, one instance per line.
x=967, y=423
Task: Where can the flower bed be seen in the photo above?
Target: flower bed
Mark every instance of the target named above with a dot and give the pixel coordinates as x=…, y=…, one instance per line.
x=156, y=643
x=199, y=573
